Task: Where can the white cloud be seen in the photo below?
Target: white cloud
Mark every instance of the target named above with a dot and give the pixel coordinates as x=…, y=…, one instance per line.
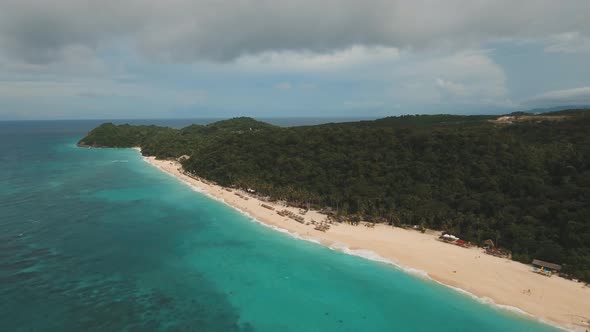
x=293, y=86
x=283, y=86
x=32, y=89
x=22, y=90
x=453, y=88
x=74, y=60
x=310, y=61
x=363, y=104
x=576, y=96
x=466, y=77
x=222, y=30
x=569, y=42
x=376, y=53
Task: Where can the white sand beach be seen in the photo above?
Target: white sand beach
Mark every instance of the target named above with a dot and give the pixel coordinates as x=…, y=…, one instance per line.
x=507, y=283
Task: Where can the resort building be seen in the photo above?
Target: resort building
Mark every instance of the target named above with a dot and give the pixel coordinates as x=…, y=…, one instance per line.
x=539, y=264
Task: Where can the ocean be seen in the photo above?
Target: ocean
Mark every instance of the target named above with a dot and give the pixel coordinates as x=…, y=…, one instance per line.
x=99, y=240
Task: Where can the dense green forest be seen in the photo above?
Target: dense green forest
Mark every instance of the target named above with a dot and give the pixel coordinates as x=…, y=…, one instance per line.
x=524, y=183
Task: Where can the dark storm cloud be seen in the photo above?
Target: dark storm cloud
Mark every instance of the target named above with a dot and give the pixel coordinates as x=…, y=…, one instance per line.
x=218, y=30
x=42, y=31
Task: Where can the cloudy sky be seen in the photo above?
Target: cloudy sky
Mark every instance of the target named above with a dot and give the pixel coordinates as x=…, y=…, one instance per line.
x=270, y=58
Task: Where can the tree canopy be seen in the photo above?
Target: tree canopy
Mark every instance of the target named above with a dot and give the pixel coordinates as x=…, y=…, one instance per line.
x=525, y=183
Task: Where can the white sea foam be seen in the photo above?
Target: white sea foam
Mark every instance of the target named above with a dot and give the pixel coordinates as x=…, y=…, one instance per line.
x=487, y=301
x=370, y=255
x=373, y=256
x=276, y=228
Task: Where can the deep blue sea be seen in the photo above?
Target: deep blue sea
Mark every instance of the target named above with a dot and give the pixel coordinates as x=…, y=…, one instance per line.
x=99, y=240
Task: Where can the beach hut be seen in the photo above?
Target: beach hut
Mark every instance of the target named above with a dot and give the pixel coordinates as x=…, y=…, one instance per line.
x=542, y=265
x=267, y=207
x=448, y=237
x=327, y=210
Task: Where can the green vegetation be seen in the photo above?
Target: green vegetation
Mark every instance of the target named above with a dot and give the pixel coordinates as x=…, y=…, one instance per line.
x=124, y=136
x=525, y=184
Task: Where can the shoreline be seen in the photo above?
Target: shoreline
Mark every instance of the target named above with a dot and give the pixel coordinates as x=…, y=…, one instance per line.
x=554, y=301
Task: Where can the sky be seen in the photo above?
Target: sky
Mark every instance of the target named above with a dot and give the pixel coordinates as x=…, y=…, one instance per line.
x=77, y=59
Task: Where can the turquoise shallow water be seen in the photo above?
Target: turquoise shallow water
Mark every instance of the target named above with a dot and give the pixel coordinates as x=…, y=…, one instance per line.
x=98, y=240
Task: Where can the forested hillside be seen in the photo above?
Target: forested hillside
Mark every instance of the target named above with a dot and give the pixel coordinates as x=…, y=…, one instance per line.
x=524, y=182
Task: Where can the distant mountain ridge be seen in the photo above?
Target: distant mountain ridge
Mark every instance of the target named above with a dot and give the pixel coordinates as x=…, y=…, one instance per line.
x=557, y=109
